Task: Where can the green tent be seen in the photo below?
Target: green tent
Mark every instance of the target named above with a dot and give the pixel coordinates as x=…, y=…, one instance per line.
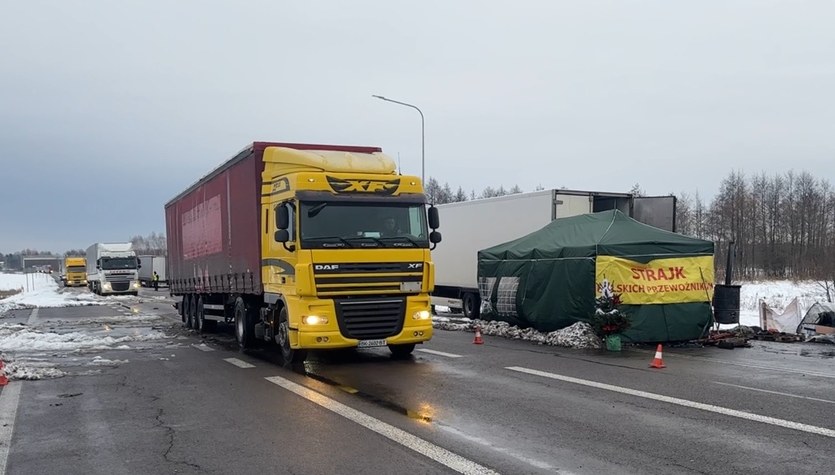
x=549, y=279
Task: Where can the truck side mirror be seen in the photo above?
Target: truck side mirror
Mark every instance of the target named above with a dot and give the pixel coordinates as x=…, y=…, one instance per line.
x=434, y=220
x=434, y=238
x=283, y=236
x=282, y=219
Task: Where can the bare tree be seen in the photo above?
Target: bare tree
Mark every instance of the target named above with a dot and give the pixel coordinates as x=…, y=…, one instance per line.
x=154, y=244
x=684, y=214
x=636, y=190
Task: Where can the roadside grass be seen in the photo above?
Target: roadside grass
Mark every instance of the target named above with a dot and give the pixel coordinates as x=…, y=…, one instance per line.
x=9, y=293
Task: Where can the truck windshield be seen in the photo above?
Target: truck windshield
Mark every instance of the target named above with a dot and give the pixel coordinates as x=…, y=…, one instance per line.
x=362, y=225
x=76, y=269
x=112, y=263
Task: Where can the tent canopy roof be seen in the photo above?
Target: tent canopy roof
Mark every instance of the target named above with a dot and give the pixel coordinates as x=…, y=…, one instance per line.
x=605, y=233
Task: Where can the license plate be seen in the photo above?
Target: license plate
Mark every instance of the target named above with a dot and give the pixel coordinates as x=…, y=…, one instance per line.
x=371, y=343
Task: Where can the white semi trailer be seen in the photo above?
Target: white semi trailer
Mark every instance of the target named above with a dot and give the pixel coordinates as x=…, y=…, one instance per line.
x=150, y=264
x=470, y=226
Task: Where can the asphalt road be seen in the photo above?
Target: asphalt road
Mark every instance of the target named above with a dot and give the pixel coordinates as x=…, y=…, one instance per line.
x=192, y=404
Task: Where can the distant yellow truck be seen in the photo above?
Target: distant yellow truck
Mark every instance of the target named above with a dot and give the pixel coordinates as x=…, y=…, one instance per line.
x=75, y=271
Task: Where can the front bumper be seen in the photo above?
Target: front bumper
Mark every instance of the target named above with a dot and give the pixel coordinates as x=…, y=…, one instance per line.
x=331, y=336
x=334, y=339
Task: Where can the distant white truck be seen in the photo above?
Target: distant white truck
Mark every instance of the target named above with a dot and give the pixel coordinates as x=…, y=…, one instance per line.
x=470, y=226
x=112, y=268
x=149, y=264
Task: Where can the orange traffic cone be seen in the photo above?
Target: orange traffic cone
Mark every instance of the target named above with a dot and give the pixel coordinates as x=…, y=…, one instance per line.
x=3, y=379
x=658, y=362
x=478, y=340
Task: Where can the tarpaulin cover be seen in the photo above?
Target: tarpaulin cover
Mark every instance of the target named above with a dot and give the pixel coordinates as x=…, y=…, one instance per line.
x=549, y=279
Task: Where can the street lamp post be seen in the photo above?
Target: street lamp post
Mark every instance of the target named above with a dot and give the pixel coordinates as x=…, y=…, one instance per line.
x=422, y=135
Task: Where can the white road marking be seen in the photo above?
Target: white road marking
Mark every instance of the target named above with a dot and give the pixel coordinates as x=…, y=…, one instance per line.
x=510, y=453
x=776, y=392
x=682, y=402
x=439, y=353
x=239, y=363
x=203, y=347
x=33, y=317
x=9, y=399
x=423, y=447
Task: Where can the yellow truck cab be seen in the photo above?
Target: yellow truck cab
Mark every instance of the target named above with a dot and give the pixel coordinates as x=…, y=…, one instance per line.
x=75, y=271
x=344, y=245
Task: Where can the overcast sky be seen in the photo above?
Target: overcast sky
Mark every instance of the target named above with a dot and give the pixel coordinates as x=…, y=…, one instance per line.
x=110, y=108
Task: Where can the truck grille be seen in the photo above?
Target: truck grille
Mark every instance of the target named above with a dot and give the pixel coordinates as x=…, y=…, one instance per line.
x=366, y=319
x=119, y=286
x=353, y=278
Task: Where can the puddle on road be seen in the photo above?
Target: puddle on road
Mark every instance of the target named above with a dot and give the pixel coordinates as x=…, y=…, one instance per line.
x=424, y=414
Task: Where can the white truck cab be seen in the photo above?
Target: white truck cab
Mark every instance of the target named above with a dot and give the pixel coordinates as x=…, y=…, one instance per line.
x=113, y=268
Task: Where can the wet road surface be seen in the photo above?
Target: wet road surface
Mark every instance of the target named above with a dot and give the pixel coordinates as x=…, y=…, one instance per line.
x=186, y=403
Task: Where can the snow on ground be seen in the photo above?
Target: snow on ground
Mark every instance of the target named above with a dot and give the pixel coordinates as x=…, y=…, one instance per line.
x=777, y=294
x=31, y=371
x=42, y=291
x=13, y=281
x=21, y=338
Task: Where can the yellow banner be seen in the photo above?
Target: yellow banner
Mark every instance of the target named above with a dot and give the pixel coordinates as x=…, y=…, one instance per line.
x=675, y=280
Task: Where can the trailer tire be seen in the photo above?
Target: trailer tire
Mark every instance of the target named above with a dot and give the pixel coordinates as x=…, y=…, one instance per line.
x=190, y=313
x=282, y=337
x=401, y=352
x=244, y=325
x=197, y=323
x=184, y=309
x=470, y=303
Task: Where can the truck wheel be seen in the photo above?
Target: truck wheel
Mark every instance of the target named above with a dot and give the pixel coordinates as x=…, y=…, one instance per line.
x=190, y=311
x=282, y=337
x=244, y=326
x=184, y=309
x=470, y=303
x=400, y=352
x=197, y=322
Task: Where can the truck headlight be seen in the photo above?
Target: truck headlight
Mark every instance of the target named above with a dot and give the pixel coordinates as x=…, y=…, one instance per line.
x=106, y=286
x=136, y=284
x=314, y=320
x=422, y=315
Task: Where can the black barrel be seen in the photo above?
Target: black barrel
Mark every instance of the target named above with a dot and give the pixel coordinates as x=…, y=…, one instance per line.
x=726, y=303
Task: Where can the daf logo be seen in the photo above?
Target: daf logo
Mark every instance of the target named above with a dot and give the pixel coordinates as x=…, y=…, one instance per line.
x=416, y=265
x=326, y=267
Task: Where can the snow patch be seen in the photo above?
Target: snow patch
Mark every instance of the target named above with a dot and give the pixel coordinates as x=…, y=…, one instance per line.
x=99, y=361
x=29, y=371
x=45, y=293
x=579, y=335
x=21, y=338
